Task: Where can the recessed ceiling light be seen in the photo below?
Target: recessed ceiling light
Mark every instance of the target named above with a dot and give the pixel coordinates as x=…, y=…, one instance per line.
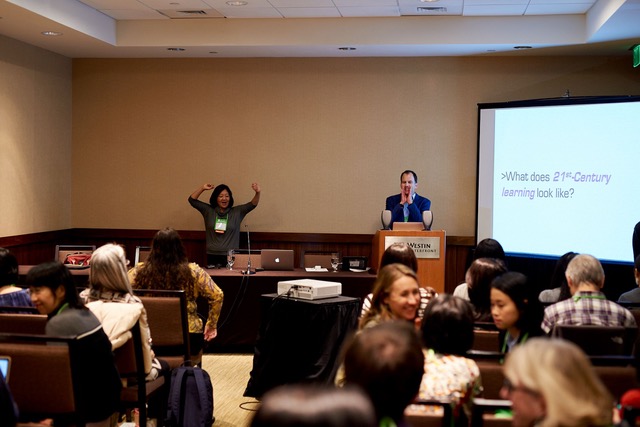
x=522, y=47
x=347, y=48
x=51, y=33
x=213, y=52
x=175, y=49
x=237, y=3
x=429, y=1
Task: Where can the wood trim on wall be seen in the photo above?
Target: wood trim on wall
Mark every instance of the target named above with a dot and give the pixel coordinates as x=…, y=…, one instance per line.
x=40, y=247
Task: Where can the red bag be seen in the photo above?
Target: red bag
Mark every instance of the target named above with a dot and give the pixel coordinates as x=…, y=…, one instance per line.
x=78, y=258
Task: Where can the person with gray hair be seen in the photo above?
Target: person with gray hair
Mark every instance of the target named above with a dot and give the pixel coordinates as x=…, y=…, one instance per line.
x=550, y=382
x=587, y=305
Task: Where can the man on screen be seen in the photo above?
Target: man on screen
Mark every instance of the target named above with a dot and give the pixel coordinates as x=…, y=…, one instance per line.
x=407, y=206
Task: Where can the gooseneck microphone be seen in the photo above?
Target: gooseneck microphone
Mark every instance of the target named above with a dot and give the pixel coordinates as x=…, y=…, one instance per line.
x=248, y=270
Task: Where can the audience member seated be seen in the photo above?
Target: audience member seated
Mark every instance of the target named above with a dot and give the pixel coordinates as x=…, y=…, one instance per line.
x=98, y=385
x=516, y=312
x=10, y=294
x=167, y=267
x=486, y=248
x=447, y=334
x=478, y=278
x=559, y=290
x=111, y=299
x=588, y=305
x=396, y=296
x=550, y=383
x=8, y=407
x=312, y=405
x=634, y=294
x=387, y=362
x=402, y=253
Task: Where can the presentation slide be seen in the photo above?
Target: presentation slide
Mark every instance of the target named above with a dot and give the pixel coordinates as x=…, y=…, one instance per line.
x=559, y=178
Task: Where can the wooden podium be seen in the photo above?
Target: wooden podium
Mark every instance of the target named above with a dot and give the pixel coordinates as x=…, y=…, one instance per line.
x=429, y=247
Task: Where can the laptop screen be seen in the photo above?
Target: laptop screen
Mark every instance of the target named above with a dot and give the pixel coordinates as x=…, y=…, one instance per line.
x=5, y=363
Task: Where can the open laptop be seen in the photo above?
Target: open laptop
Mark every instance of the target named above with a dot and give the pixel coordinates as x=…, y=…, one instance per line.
x=277, y=259
x=5, y=364
x=407, y=226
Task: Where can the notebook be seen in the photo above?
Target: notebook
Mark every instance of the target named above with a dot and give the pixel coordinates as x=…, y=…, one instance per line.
x=5, y=364
x=277, y=259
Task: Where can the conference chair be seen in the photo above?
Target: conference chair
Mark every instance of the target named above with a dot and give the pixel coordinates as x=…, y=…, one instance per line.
x=490, y=413
x=142, y=253
x=41, y=378
x=429, y=413
x=22, y=323
x=136, y=391
x=617, y=379
x=63, y=250
x=486, y=340
x=599, y=340
x=169, y=325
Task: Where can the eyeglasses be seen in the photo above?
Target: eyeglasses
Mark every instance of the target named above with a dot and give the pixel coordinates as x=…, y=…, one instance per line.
x=510, y=388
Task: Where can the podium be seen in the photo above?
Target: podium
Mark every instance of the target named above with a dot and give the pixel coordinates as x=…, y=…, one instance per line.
x=429, y=247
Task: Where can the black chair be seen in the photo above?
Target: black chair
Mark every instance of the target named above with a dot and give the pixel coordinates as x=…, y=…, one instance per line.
x=597, y=340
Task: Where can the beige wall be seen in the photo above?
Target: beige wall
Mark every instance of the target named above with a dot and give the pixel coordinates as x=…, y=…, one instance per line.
x=326, y=138
x=35, y=139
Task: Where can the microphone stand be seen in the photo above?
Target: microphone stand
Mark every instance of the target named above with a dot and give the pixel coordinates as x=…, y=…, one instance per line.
x=248, y=271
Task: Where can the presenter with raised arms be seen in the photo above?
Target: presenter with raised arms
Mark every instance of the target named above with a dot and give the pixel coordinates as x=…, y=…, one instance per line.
x=408, y=205
x=222, y=220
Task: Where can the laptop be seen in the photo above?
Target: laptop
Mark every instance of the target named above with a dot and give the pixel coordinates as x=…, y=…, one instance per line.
x=5, y=364
x=277, y=259
x=407, y=226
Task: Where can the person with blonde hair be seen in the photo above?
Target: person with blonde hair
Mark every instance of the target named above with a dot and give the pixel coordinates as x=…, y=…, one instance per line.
x=550, y=382
x=396, y=296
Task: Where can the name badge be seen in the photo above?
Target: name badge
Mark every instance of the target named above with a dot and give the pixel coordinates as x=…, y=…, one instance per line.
x=221, y=225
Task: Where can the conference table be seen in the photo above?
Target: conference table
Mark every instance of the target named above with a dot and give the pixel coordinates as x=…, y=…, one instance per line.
x=240, y=316
x=241, y=311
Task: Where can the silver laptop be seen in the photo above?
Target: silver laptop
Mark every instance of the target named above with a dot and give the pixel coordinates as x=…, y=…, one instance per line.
x=277, y=259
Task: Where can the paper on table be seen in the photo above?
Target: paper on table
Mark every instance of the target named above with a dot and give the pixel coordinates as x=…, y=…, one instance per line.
x=316, y=269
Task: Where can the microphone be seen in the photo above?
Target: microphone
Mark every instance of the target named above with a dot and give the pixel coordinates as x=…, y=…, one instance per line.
x=248, y=271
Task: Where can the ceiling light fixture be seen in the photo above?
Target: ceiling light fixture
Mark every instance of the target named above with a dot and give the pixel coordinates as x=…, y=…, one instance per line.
x=176, y=49
x=346, y=48
x=522, y=47
x=429, y=1
x=51, y=33
x=237, y=3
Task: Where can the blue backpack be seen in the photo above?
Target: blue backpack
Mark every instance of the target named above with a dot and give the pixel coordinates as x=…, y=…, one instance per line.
x=190, y=398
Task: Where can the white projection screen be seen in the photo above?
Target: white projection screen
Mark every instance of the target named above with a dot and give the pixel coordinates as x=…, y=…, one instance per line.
x=560, y=175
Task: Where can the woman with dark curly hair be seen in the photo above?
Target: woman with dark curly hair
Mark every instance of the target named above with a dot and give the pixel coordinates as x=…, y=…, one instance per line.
x=167, y=267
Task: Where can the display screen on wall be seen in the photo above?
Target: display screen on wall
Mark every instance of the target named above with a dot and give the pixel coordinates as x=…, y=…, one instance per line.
x=560, y=175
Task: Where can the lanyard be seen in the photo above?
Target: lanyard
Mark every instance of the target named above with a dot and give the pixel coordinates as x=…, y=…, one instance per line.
x=518, y=341
x=577, y=298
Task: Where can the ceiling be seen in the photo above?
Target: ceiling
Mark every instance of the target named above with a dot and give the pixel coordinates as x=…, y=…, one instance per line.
x=323, y=28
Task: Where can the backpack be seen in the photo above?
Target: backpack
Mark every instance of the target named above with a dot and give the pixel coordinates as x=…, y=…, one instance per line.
x=190, y=398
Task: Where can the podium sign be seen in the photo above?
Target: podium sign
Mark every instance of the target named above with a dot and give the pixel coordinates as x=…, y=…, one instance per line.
x=429, y=247
x=424, y=247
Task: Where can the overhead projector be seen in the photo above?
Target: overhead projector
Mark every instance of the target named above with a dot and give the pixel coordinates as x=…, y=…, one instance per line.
x=309, y=289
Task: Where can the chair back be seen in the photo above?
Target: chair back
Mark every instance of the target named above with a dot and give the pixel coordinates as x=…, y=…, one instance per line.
x=169, y=324
x=41, y=375
x=142, y=253
x=129, y=359
x=429, y=413
x=22, y=323
x=598, y=340
x=63, y=250
x=483, y=413
x=486, y=340
x=617, y=379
